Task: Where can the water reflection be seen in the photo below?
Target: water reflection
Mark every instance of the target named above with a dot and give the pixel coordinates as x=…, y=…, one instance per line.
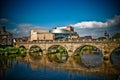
x=35, y=52
x=57, y=54
x=26, y=68
x=35, y=55
x=5, y=65
x=88, y=56
x=115, y=58
x=35, y=49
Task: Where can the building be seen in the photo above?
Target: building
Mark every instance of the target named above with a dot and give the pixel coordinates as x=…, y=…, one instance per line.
x=73, y=36
x=69, y=28
x=6, y=37
x=64, y=32
x=21, y=39
x=38, y=35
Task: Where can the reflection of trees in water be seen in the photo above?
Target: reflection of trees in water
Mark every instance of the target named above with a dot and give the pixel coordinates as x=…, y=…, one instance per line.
x=58, y=57
x=35, y=55
x=89, y=56
x=5, y=65
x=115, y=58
x=35, y=52
x=57, y=54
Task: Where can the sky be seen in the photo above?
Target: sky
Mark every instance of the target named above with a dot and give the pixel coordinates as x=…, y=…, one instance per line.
x=88, y=17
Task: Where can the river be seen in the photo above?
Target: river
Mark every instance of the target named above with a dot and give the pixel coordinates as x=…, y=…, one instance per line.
x=28, y=68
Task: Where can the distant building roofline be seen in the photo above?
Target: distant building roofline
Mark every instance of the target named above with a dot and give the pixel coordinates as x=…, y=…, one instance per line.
x=40, y=31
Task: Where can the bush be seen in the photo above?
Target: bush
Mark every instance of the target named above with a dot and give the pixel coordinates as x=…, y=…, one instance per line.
x=2, y=50
x=8, y=50
x=11, y=50
x=22, y=50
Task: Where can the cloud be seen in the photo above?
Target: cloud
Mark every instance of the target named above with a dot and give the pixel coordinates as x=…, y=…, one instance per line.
x=95, y=24
x=97, y=29
x=24, y=29
x=19, y=30
x=3, y=20
x=90, y=24
x=114, y=21
x=85, y=28
x=94, y=32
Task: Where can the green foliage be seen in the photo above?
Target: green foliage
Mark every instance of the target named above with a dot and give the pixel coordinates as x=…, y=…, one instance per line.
x=116, y=36
x=57, y=53
x=8, y=49
x=86, y=49
x=12, y=50
x=12, y=55
x=100, y=38
x=2, y=51
x=22, y=50
x=60, y=48
x=35, y=49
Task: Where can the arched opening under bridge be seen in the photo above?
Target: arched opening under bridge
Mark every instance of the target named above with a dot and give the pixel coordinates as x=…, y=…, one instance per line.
x=22, y=51
x=115, y=57
x=35, y=52
x=57, y=53
x=88, y=56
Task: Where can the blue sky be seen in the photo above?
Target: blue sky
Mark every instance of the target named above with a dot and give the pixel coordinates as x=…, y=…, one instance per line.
x=86, y=16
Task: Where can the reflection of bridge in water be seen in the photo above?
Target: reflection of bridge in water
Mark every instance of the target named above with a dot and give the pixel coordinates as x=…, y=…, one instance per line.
x=70, y=65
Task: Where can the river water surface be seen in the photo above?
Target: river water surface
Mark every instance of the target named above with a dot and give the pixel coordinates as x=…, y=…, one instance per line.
x=41, y=69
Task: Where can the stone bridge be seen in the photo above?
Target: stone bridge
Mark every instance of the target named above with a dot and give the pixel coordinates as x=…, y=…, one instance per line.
x=106, y=46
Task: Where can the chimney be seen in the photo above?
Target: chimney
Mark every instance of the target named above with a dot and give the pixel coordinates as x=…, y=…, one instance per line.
x=3, y=29
x=70, y=28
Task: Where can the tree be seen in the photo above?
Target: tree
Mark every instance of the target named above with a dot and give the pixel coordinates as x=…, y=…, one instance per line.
x=116, y=36
x=100, y=38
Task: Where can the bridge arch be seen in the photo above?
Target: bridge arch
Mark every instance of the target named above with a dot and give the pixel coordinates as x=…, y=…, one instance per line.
x=82, y=46
x=53, y=46
x=89, y=56
x=35, y=52
x=57, y=53
x=22, y=51
x=22, y=47
x=115, y=47
x=115, y=57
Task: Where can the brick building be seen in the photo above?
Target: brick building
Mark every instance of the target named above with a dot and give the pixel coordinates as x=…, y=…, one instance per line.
x=6, y=37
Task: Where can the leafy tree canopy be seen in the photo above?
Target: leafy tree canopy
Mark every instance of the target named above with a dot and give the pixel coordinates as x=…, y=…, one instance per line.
x=116, y=36
x=102, y=38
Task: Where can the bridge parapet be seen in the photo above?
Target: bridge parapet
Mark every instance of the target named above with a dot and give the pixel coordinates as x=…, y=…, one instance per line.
x=76, y=40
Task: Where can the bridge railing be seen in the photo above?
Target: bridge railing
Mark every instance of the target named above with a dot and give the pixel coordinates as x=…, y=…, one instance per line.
x=74, y=40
